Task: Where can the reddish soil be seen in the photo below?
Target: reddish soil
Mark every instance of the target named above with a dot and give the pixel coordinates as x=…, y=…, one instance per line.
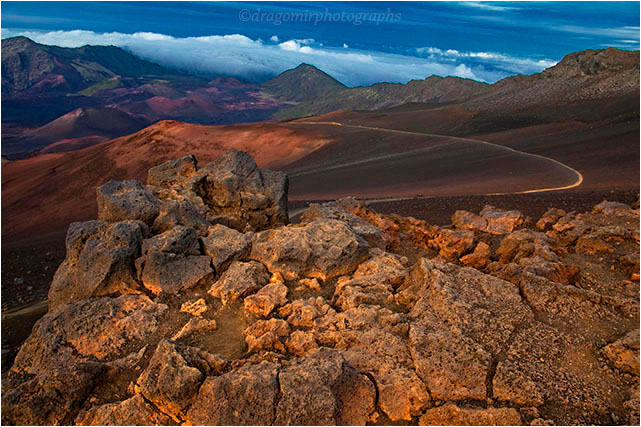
x=45, y=193
x=73, y=144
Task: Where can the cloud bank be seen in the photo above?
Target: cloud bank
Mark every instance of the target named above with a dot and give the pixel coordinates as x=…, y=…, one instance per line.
x=257, y=60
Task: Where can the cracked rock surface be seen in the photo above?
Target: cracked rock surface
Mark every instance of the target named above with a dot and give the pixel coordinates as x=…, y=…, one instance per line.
x=192, y=301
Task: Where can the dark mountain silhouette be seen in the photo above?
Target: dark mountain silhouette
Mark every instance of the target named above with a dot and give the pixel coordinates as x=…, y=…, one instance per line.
x=385, y=95
x=302, y=83
x=27, y=65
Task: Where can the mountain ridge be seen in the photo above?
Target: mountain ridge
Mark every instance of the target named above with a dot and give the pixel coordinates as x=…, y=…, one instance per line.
x=30, y=65
x=302, y=83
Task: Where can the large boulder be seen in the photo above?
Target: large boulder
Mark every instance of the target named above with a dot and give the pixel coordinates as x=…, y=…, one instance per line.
x=461, y=322
x=172, y=172
x=321, y=249
x=244, y=396
x=239, y=280
x=127, y=200
x=131, y=412
x=174, y=375
x=224, y=245
x=98, y=329
x=323, y=389
x=50, y=397
x=173, y=213
x=231, y=190
x=171, y=261
x=374, y=341
x=490, y=220
x=99, y=261
x=319, y=389
x=371, y=234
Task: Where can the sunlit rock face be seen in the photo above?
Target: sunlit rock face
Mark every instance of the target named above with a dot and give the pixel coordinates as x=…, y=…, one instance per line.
x=192, y=301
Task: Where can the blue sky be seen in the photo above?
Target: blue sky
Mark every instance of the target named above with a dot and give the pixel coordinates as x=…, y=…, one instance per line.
x=357, y=42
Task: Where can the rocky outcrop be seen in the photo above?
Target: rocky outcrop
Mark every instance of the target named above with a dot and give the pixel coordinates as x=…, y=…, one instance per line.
x=128, y=200
x=98, y=262
x=322, y=249
x=225, y=245
x=231, y=190
x=490, y=220
x=192, y=302
x=239, y=280
x=172, y=262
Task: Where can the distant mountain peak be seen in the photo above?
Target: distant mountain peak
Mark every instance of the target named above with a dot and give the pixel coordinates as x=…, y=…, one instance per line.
x=302, y=83
x=597, y=61
x=47, y=69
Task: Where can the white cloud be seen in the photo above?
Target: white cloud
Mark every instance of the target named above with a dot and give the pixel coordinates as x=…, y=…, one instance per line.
x=487, y=6
x=275, y=39
x=255, y=60
x=345, y=46
x=627, y=32
x=508, y=63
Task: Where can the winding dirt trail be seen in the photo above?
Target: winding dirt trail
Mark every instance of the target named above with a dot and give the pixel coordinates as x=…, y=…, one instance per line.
x=579, y=176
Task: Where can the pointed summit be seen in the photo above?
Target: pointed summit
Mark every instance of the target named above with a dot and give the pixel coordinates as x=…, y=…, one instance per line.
x=302, y=83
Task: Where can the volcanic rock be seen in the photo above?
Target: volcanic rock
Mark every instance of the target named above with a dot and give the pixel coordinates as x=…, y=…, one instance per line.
x=490, y=220
x=454, y=243
x=174, y=375
x=321, y=249
x=168, y=273
x=239, y=280
x=127, y=200
x=173, y=213
x=549, y=218
x=266, y=299
x=99, y=261
x=267, y=335
x=452, y=353
x=367, y=231
x=349, y=318
x=195, y=324
x=615, y=209
x=172, y=172
x=94, y=329
x=195, y=308
x=245, y=396
x=452, y=415
x=624, y=353
x=133, y=411
x=479, y=258
x=225, y=245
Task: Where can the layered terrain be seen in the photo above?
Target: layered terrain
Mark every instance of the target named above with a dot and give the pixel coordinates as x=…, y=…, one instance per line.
x=44, y=87
x=191, y=300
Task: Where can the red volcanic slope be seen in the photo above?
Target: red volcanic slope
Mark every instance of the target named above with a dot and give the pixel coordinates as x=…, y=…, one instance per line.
x=73, y=144
x=47, y=192
x=83, y=122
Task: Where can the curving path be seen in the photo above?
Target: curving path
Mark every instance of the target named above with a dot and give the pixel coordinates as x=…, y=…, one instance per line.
x=579, y=176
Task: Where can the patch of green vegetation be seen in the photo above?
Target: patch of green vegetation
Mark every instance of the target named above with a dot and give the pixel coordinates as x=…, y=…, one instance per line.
x=106, y=84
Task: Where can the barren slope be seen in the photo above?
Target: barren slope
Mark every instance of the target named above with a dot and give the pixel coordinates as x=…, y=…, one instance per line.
x=375, y=163
x=47, y=192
